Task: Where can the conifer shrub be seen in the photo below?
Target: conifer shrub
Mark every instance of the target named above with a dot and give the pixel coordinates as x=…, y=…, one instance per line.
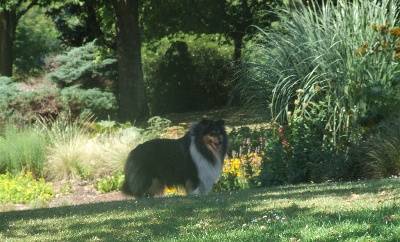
x=26, y=106
x=89, y=66
x=186, y=73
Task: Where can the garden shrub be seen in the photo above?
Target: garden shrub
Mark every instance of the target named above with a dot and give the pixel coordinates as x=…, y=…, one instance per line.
x=186, y=73
x=8, y=90
x=27, y=105
x=382, y=151
x=109, y=183
x=314, y=77
x=242, y=165
x=24, y=106
x=89, y=66
x=81, y=102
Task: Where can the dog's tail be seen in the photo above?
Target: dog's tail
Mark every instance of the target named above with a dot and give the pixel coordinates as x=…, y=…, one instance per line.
x=136, y=183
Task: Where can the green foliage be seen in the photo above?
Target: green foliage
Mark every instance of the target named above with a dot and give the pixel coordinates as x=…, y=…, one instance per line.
x=81, y=102
x=296, y=153
x=26, y=106
x=89, y=66
x=242, y=167
x=314, y=52
x=277, y=155
x=315, y=78
x=24, y=189
x=8, y=90
x=109, y=183
x=186, y=73
x=155, y=127
x=382, y=152
x=36, y=39
x=162, y=19
x=22, y=151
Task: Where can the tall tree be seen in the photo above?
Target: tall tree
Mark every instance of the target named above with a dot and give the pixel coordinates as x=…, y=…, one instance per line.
x=126, y=42
x=231, y=18
x=132, y=95
x=10, y=14
x=239, y=15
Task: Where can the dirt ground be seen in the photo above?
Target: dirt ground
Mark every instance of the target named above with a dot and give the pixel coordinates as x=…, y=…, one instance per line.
x=76, y=193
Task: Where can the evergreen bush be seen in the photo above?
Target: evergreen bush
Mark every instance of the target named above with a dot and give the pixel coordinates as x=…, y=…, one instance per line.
x=89, y=66
x=8, y=91
x=186, y=73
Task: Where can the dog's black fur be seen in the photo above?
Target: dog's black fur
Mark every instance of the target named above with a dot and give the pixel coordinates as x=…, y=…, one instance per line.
x=193, y=161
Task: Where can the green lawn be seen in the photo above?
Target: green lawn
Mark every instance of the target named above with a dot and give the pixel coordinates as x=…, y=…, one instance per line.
x=357, y=211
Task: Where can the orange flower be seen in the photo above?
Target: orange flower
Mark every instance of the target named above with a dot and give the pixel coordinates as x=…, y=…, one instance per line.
x=395, y=32
x=383, y=29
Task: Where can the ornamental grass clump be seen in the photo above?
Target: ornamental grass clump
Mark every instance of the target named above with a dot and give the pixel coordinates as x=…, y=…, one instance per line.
x=313, y=51
x=76, y=149
x=309, y=75
x=22, y=150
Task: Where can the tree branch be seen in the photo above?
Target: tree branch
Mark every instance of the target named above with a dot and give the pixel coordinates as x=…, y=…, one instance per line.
x=20, y=13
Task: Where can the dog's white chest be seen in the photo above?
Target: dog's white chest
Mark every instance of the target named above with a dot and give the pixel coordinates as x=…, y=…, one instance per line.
x=208, y=172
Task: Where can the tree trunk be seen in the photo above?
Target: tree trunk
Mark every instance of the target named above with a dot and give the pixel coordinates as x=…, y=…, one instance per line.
x=238, y=44
x=7, y=32
x=132, y=97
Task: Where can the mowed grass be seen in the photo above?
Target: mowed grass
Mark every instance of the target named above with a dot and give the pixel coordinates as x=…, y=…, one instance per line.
x=356, y=211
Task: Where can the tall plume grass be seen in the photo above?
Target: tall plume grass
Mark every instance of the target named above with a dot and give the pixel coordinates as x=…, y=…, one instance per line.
x=312, y=52
x=75, y=152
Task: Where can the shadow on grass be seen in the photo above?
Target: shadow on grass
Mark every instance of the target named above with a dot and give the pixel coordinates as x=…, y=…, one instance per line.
x=217, y=215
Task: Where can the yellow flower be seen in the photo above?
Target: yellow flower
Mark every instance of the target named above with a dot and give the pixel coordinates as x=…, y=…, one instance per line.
x=395, y=32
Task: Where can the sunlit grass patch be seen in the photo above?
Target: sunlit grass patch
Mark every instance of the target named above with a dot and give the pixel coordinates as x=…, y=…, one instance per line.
x=356, y=211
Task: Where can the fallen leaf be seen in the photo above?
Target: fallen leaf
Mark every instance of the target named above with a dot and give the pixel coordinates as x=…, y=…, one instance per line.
x=352, y=197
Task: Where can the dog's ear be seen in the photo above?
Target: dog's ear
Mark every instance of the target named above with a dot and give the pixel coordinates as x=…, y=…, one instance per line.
x=221, y=123
x=205, y=122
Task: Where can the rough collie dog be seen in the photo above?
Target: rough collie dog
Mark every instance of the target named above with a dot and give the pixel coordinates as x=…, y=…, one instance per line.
x=193, y=161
